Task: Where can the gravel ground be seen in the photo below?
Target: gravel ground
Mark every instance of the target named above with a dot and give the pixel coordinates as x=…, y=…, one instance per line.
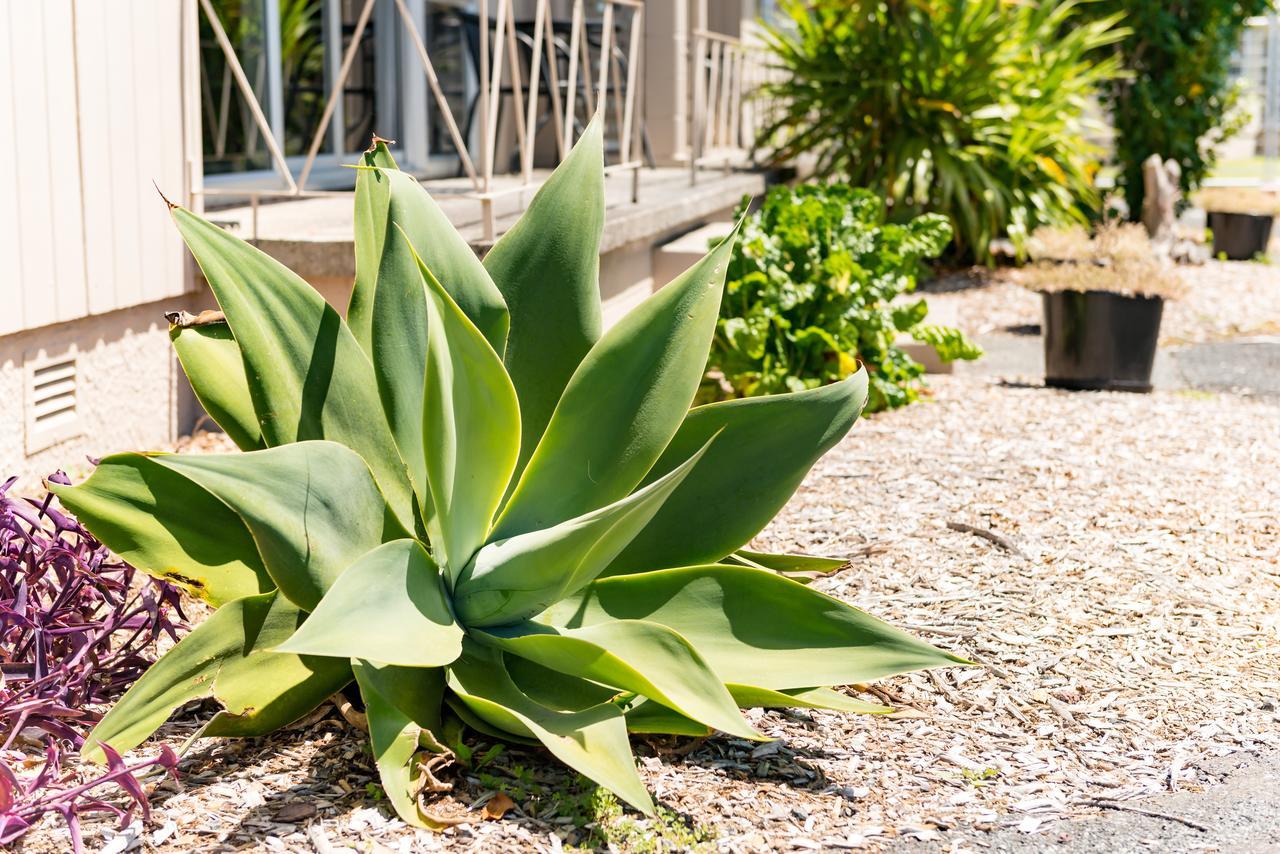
x=1124, y=606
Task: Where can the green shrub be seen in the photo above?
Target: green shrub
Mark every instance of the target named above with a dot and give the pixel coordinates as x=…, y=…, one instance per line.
x=1178, y=97
x=483, y=510
x=811, y=292
x=975, y=109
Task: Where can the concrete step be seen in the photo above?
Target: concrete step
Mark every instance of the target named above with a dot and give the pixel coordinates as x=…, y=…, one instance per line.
x=674, y=257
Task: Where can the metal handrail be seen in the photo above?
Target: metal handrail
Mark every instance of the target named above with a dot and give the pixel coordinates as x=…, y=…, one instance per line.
x=627, y=108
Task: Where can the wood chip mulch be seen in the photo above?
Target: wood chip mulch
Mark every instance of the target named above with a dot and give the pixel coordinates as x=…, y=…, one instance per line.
x=1111, y=560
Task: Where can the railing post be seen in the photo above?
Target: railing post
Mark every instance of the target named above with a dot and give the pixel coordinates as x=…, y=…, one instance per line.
x=1271, y=110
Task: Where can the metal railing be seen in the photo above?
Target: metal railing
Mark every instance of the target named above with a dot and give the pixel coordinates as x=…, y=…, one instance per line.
x=727, y=110
x=608, y=88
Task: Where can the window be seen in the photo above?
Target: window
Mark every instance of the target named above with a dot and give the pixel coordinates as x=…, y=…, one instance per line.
x=291, y=52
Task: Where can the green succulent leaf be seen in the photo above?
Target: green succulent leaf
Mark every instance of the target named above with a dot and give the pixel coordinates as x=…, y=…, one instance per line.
x=514, y=579
x=632, y=655
x=402, y=705
x=471, y=417
x=592, y=741
x=169, y=527
x=447, y=254
x=767, y=447
x=623, y=404
x=211, y=360
x=308, y=377
x=547, y=267
x=755, y=627
x=751, y=697
x=463, y=713
x=389, y=606
x=372, y=198
x=226, y=657
x=312, y=507
x=399, y=349
x=555, y=689
x=650, y=717
x=802, y=568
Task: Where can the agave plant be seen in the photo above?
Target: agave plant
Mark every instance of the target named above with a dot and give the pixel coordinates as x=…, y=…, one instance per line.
x=474, y=504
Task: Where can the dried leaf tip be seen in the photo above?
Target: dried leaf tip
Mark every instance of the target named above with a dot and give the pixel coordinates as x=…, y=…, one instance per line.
x=162, y=195
x=185, y=319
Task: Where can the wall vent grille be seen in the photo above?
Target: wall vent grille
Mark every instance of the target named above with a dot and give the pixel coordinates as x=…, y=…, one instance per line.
x=52, y=396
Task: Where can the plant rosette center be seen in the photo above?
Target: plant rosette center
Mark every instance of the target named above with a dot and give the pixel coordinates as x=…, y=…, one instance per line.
x=483, y=510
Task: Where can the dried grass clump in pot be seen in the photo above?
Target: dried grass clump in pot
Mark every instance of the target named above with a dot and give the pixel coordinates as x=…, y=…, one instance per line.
x=1118, y=259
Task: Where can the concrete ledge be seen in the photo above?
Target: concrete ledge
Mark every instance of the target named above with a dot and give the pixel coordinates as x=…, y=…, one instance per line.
x=314, y=237
x=673, y=258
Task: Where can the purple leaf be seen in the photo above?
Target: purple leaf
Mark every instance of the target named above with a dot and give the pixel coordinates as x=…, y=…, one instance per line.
x=77, y=627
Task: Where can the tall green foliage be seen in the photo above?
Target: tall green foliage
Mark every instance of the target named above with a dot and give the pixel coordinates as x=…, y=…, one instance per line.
x=384, y=525
x=1176, y=100
x=975, y=109
x=813, y=291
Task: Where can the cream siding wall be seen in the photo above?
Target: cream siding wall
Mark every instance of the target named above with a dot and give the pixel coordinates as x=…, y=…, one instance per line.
x=90, y=115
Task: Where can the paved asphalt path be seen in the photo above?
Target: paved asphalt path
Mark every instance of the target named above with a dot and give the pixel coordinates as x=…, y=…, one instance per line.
x=1249, y=366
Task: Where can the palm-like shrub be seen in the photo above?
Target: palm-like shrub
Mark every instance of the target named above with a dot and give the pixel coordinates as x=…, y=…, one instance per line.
x=975, y=109
x=477, y=506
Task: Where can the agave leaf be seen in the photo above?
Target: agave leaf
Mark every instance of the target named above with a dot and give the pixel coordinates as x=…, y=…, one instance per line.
x=648, y=716
x=471, y=417
x=169, y=527
x=389, y=606
x=802, y=568
x=632, y=655
x=211, y=360
x=556, y=689
x=403, y=708
x=516, y=578
x=767, y=447
x=750, y=697
x=226, y=658
x=308, y=377
x=623, y=404
x=592, y=741
x=462, y=712
x=755, y=627
x=312, y=507
x=446, y=253
x=651, y=717
x=399, y=323
x=547, y=267
x=372, y=198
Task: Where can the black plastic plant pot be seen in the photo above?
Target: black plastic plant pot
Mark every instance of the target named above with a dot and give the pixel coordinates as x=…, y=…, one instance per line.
x=1240, y=236
x=1100, y=341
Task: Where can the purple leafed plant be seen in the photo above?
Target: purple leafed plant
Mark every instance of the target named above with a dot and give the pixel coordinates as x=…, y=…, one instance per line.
x=77, y=627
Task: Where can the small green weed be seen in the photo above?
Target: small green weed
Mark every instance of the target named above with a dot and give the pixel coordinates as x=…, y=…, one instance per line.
x=594, y=818
x=979, y=778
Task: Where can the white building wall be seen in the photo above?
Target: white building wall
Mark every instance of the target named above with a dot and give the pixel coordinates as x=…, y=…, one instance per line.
x=91, y=122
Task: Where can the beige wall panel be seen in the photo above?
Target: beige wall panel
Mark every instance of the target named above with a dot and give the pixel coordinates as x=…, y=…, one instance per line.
x=11, y=308
x=129, y=59
x=100, y=226
x=51, y=277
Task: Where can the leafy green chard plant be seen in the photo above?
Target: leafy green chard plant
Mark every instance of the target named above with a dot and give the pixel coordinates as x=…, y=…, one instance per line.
x=811, y=293
x=474, y=504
